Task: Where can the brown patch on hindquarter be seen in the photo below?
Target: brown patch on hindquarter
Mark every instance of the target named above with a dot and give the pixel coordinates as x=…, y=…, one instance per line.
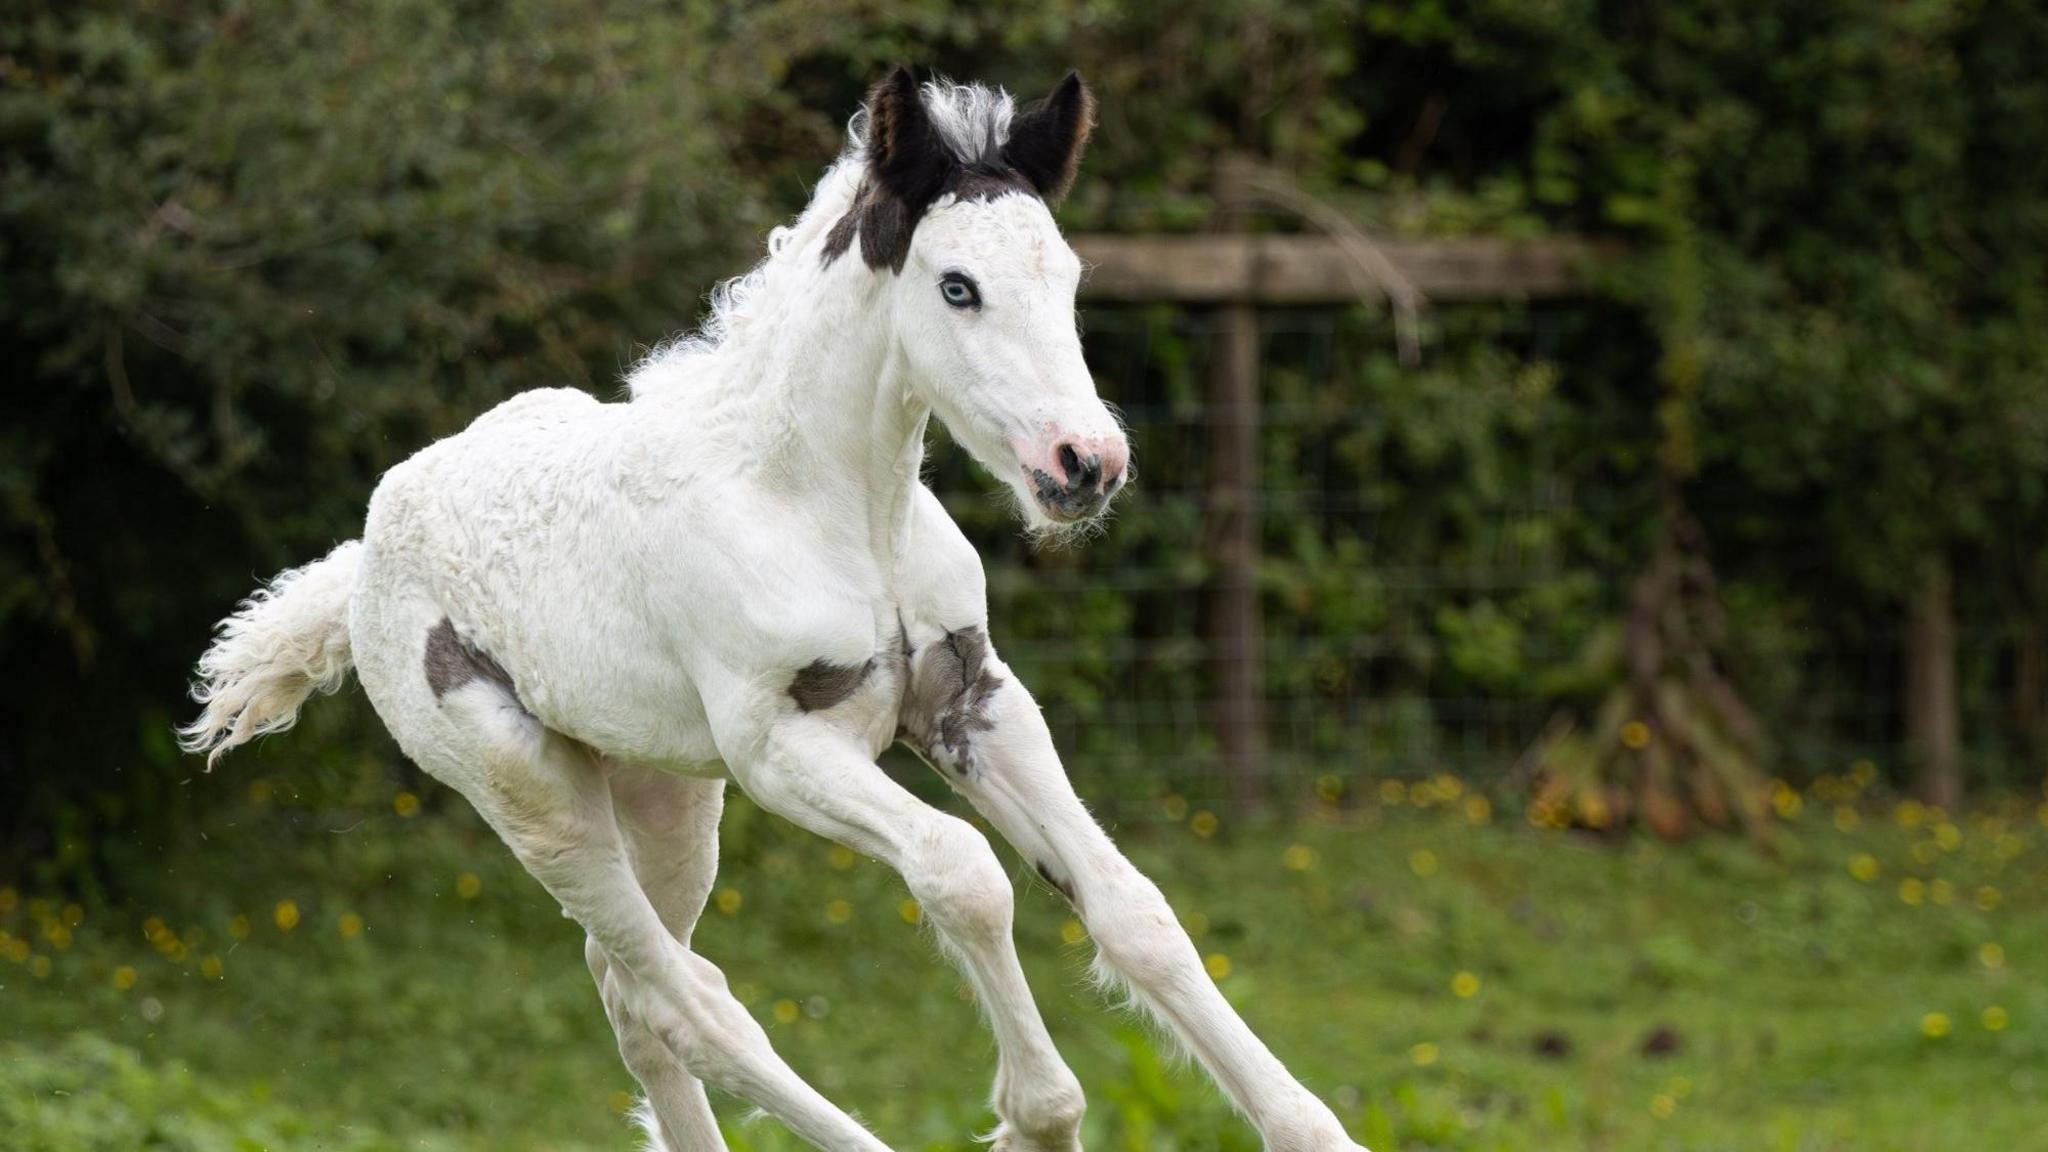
x=820, y=685
x=946, y=702
x=452, y=662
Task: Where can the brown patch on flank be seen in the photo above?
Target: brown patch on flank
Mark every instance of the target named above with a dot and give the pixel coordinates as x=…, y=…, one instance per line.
x=819, y=685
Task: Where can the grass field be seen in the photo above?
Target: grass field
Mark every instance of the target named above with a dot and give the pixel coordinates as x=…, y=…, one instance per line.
x=384, y=978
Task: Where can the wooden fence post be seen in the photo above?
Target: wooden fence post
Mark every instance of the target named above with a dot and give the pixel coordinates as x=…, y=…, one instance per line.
x=1236, y=640
x=1237, y=273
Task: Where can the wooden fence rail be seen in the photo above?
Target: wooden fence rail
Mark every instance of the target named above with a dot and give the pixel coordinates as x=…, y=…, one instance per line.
x=1302, y=270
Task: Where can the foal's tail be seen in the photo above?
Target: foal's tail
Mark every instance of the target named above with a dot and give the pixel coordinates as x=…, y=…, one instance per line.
x=285, y=642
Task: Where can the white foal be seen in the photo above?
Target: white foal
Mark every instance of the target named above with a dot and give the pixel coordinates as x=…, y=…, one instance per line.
x=585, y=616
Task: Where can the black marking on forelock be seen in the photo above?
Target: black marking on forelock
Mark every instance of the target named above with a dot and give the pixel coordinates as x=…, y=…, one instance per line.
x=1063, y=887
x=452, y=662
x=946, y=702
x=884, y=222
x=820, y=685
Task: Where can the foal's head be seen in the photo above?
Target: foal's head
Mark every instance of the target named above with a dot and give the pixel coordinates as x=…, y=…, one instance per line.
x=953, y=213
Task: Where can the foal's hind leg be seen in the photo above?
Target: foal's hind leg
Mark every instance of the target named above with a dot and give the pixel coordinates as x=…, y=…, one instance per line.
x=817, y=778
x=549, y=799
x=670, y=826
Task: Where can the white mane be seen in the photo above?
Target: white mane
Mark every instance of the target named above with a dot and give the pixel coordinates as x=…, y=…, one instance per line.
x=974, y=122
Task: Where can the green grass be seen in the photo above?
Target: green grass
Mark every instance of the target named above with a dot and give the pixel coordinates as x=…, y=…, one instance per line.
x=1792, y=998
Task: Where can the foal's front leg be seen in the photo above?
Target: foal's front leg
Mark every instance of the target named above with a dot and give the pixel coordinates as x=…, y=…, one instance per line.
x=810, y=774
x=983, y=732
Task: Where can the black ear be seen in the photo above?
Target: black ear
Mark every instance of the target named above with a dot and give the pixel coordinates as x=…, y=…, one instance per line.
x=906, y=157
x=1047, y=138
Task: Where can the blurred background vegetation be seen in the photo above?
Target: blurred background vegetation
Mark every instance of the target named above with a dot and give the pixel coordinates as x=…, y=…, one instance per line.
x=1773, y=492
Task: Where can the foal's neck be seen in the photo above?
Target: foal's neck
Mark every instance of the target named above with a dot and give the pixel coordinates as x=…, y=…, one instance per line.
x=816, y=402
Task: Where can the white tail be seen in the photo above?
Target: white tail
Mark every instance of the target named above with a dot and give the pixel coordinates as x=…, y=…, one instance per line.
x=284, y=643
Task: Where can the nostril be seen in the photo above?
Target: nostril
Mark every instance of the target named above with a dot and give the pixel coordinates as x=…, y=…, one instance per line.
x=1070, y=463
x=1091, y=472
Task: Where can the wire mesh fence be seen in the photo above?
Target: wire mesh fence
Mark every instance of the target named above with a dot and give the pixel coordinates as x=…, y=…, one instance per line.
x=1435, y=553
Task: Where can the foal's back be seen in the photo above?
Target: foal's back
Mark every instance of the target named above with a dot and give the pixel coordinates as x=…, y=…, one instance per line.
x=529, y=533
x=611, y=559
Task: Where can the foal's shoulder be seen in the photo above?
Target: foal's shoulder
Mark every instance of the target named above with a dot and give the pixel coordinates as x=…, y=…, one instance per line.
x=940, y=577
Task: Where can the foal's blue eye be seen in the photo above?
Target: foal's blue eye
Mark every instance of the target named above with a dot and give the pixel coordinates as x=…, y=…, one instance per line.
x=959, y=290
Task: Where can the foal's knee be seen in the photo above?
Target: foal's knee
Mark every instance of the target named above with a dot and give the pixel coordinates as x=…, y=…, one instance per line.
x=1135, y=930
x=956, y=876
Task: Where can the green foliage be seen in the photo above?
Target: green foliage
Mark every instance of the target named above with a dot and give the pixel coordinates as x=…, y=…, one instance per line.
x=84, y=1094
x=256, y=253
x=1448, y=977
